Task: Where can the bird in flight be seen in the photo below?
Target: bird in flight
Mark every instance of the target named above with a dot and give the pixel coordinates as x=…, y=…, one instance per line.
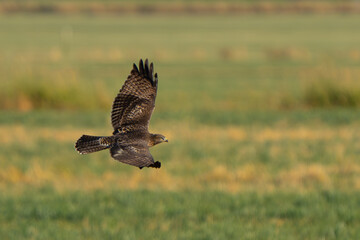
x=130, y=117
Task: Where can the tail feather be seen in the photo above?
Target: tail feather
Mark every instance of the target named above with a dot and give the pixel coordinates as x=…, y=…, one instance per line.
x=88, y=144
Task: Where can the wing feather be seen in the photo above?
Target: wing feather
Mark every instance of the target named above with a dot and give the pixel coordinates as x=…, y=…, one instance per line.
x=135, y=102
x=136, y=155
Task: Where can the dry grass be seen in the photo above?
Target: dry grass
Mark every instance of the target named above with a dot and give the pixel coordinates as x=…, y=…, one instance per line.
x=216, y=176
x=185, y=132
x=238, y=133
x=180, y=7
x=19, y=134
x=306, y=175
x=249, y=177
x=292, y=54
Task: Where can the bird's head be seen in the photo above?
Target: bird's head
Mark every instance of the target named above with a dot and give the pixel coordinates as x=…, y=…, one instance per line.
x=157, y=138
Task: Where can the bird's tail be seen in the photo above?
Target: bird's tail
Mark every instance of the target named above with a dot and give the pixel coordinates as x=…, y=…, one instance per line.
x=88, y=144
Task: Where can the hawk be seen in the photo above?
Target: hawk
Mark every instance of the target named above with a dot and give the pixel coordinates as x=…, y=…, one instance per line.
x=130, y=117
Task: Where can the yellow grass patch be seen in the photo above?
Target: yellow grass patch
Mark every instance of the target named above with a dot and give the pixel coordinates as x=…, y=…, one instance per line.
x=306, y=175
x=238, y=133
x=234, y=180
x=185, y=132
x=256, y=177
x=303, y=133
x=344, y=172
x=288, y=54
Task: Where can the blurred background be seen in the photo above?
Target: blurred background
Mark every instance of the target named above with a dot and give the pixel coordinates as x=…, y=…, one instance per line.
x=259, y=100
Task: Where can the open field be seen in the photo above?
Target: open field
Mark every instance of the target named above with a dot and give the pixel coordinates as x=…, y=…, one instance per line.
x=282, y=178
x=175, y=215
x=264, y=156
x=227, y=63
x=249, y=157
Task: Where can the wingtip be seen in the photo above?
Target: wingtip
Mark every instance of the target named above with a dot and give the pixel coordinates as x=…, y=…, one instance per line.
x=146, y=70
x=151, y=68
x=156, y=80
x=141, y=66
x=135, y=68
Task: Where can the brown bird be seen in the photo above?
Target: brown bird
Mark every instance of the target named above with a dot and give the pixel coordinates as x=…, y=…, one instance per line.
x=130, y=117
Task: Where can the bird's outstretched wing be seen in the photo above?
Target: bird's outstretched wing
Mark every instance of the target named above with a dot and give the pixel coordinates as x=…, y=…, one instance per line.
x=136, y=155
x=135, y=102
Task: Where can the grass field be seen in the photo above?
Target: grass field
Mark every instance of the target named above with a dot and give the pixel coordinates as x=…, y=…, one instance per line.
x=249, y=157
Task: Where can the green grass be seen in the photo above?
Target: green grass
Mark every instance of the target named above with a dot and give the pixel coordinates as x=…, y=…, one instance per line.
x=173, y=215
x=247, y=157
x=101, y=119
x=331, y=93
x=244, y=62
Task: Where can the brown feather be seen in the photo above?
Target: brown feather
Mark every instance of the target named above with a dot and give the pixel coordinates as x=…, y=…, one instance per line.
x=136, y=99
x=130, y=116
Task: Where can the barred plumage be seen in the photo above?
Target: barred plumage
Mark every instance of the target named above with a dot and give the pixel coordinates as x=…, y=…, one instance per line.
x=88, y=144
x=130, y=117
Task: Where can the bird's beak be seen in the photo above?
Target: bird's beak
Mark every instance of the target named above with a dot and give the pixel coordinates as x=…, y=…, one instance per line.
x=166, y=140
